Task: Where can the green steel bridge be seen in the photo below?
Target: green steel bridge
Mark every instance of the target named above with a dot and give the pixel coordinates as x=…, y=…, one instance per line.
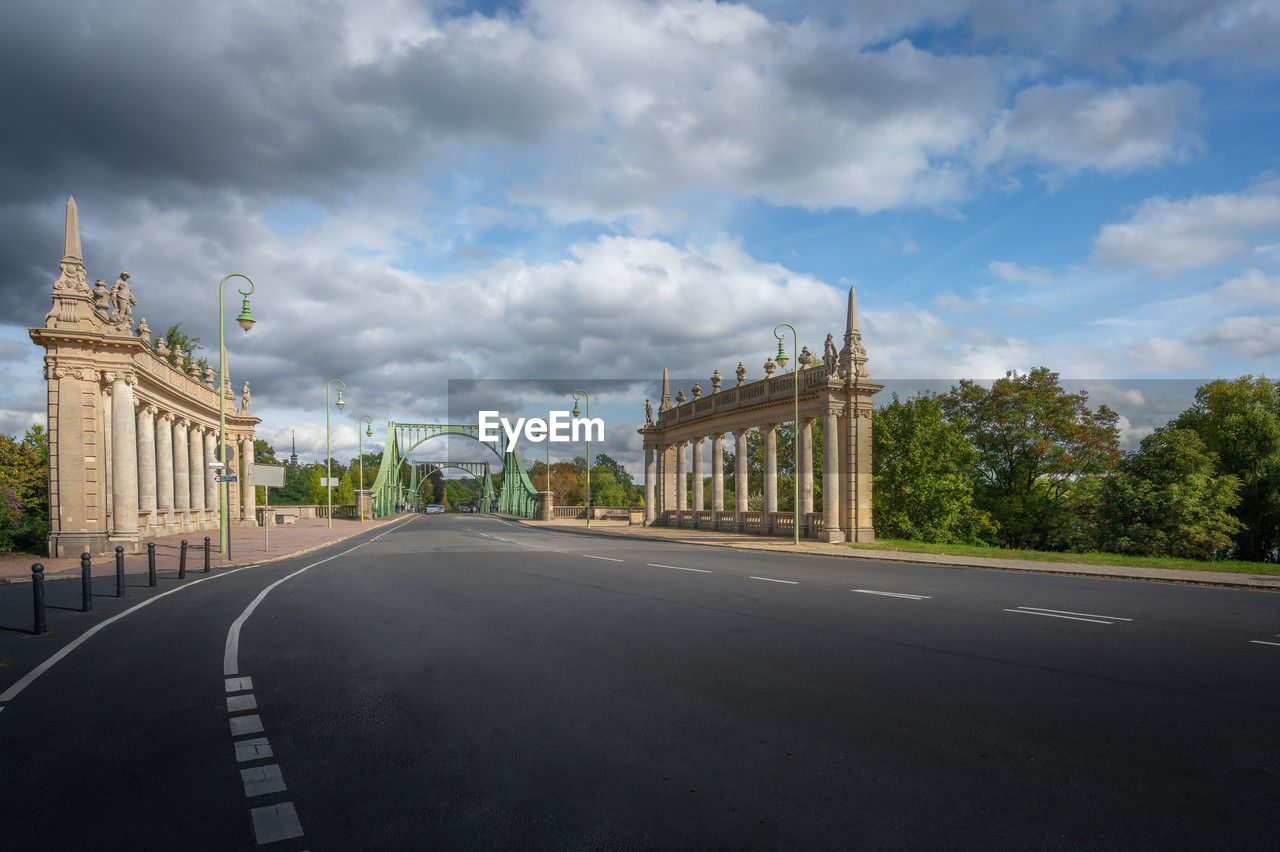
x=392, y=488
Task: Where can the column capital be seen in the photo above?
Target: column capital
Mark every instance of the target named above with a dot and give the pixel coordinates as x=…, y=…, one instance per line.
x=146, y=408
x=166, y=416
x=126, y=376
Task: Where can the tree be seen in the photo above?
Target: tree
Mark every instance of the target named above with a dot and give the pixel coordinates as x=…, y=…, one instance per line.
x=182, y=347
x=1032, y=440
x=924, y=474
x=264, y=453
x=1239, y=421
x=620, y=474
x=1168, y=500
x=24, y=491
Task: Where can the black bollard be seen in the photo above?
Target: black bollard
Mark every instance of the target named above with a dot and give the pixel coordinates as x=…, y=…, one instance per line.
x=206, y=554
x=151, y=564
x=119, y=571
x=37, y=594
x=182, y=561
x=86, y=583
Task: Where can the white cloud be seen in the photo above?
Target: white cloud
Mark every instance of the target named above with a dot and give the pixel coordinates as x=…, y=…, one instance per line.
x=1016, y=274
x=1251, y=286
x=1166, y=355
x=1079, y=126
x=1166, y=237
x=1257, y=337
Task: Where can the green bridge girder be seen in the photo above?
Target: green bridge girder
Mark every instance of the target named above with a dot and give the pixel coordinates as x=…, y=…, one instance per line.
x=479, y=471
x=517, y=496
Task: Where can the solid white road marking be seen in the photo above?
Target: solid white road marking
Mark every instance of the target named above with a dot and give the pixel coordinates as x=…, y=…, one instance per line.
x=891, y=594
x=605, y=558
x=1069, y=612
x=771, y=580
x=239, y=703
x=254, y=749
x=261, y=780
x=1260, y=642
x=678, y=568
x=1054, y=615
x=275, y=822
x=241, y=725
x=12, y=692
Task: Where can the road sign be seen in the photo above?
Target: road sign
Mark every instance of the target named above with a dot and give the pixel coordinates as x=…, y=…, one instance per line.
x=227, y=478
x=267, y=474
x=224, y=453
x=329, y=480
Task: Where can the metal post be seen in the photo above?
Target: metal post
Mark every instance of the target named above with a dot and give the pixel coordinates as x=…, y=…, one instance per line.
x=37, y=594
x=86, y=583
x=182, y=561
x=119, y=571
x=151, y=564
x=206, y=554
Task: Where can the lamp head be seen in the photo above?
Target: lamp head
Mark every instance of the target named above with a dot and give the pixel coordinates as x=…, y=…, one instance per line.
x=781, y=357
x=340, y=403
x=369, y=432
x=576, y=411
x=245, y=319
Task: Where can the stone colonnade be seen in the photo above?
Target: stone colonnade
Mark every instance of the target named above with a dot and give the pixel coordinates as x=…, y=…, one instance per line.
x=835, y=390
x=131, y=437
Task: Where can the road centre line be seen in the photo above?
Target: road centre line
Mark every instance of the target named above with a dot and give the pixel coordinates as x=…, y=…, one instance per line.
x=1069, y=612
x=1260, y=642
x=678, y=568
x=1052, y=615
x=771, y=580
x=605, y=558
x=891, y=594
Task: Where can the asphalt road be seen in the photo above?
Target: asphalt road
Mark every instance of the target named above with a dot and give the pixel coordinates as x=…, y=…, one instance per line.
x=458, y=682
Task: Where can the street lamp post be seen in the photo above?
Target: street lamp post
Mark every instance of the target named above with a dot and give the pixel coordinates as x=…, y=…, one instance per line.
x=586, y=397
x=328, y=460
x=360, y=445
x=246, y=322
x=782, y=359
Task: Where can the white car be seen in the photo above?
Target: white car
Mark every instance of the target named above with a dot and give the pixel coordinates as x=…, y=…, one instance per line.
x=433, y=509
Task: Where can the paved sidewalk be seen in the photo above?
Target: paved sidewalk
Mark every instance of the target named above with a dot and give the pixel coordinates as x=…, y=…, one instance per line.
x=784, y=545
x=248, y=547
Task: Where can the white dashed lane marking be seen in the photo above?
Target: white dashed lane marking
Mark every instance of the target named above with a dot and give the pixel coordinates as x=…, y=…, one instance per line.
x=772, y=580
x=1067, y=614
x=255, y=749
x=678, y=568
x=605, y=558
x=275, y=822
x=241, y=725
x=1261, y=642
x=261, y=780
x=891, y=594
x=240, y=703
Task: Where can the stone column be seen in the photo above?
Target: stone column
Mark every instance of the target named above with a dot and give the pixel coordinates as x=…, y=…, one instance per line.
x=164, y=467
x=247, y=491
x=717, y=472
x=650, y=474
x=806, y=466
x=147, y=462
x=124, y=457
x=181, y=471
x=697, y=476
x=682, y=483
x=667, y=478
x=741, y=488
x=831, y=477
x=195, y=448
x=210, y=473
x=771, y=468
x=856, y=504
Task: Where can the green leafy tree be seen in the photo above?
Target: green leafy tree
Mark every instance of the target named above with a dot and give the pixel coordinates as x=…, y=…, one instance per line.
x=1239, y=421
x=182, y=347
x=345, y=493
x=924, y=474
x=1032, y=441
x=264, y=453
x=1168, y=500
x=24, y=492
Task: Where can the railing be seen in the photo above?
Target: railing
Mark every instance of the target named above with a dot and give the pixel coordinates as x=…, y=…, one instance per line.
x=781, y=386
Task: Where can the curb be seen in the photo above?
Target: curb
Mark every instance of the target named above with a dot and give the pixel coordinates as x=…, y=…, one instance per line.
x=1262, y=582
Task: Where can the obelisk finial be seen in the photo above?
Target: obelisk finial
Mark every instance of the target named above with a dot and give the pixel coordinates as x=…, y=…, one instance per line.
x=665, y=402
x=851, y=324
x=71, y=236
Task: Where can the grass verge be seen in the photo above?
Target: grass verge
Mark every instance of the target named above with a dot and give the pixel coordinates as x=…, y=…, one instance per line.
x=1227, y=566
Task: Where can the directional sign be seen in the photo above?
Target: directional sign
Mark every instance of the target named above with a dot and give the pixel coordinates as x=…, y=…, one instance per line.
x=227, y=478
x=267, y=474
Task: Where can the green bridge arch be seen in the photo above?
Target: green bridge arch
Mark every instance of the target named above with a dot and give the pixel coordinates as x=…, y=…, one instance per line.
x=516, y=496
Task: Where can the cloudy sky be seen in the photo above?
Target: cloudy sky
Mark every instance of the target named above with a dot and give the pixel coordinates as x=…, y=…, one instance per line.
x=589, y=190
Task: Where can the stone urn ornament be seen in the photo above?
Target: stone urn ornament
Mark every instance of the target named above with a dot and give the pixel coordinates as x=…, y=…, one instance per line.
x=742, y=373
x=769, y=368
x=716, y=380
